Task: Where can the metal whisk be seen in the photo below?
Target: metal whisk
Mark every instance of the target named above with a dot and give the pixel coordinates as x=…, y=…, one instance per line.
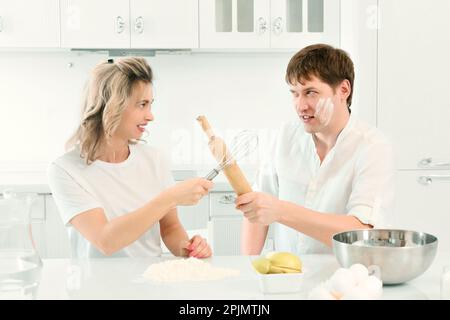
x=244, y=143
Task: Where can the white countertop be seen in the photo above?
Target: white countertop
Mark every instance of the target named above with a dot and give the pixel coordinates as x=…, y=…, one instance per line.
x=121, y=278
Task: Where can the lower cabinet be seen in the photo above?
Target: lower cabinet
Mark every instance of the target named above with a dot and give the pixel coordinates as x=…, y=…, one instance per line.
x=421, y=203
x=49, y=234
x=225, y=235
x=214, y=217
x=224, y=227
x=195, y=217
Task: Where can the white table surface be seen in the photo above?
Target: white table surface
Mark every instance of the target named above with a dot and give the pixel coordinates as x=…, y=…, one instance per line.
x=121, y=278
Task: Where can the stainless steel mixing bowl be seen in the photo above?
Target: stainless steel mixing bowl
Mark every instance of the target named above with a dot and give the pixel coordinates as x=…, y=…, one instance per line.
x=400, y=255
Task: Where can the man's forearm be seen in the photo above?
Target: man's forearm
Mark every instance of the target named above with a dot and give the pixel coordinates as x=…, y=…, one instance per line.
x=253, y=236
x=320, y=226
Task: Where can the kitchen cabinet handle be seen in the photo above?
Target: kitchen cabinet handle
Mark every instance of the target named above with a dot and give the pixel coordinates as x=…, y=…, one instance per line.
x=227, y=199
x=427, y=163
x=1, y=23
x=120, y=24
x=278, y=26
x=139, y=25
x=262, y=25
x=428, y=180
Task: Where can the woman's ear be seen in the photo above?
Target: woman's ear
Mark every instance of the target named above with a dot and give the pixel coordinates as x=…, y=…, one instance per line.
x=344, y=90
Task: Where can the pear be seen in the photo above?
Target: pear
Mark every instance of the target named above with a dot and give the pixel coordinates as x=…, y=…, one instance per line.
x=284, y=262
x=262, y=265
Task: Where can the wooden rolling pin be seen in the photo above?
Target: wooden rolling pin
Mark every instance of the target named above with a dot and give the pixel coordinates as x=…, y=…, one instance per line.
x=219, y=149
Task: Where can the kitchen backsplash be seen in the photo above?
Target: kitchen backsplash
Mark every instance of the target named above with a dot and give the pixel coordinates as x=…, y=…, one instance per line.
x=41, y=97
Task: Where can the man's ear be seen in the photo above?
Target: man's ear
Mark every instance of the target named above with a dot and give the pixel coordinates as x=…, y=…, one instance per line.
x=344, y=90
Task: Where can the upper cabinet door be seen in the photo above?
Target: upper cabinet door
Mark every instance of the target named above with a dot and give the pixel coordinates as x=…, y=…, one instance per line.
x=26, y=23
x=164, y=24
x=413, y=81
x=95, y=24
x=234, y=24
x=298, y=23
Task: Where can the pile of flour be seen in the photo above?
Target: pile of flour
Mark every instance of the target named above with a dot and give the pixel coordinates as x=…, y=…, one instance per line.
x=190, y=269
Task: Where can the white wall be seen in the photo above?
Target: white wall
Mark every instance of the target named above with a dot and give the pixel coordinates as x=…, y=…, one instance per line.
x=234, y=91
x=40, y=98
x=359, y=26
x=39, y=105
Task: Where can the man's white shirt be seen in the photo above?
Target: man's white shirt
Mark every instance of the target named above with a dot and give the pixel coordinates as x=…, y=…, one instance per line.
x=355, y=178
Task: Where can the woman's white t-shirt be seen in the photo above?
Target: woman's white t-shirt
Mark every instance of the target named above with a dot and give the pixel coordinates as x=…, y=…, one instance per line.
x=117, y=188
x=356, y=178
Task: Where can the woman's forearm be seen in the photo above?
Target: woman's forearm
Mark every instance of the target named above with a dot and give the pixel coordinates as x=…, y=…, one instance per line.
x=320, y=226
x=175, y=238
x=124, y=230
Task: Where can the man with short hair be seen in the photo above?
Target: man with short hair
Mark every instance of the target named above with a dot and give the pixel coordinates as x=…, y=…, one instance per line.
x=329, y=171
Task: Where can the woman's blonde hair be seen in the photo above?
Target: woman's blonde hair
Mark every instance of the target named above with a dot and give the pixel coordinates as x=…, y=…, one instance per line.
x=106, y=96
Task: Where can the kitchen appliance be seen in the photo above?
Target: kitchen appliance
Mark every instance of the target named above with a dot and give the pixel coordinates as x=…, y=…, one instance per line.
x=396, y=256
x=20, y=264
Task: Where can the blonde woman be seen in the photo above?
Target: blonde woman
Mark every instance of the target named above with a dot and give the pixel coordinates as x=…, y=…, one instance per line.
x=117, y=196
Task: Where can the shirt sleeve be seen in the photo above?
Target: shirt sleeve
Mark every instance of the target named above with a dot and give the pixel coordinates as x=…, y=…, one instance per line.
x=373, y=189
x=71, y=199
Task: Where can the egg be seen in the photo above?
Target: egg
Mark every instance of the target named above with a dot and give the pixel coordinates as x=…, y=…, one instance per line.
x=353, y=283
x=356, y=293
x=320, y=293
x=373, y=286
x=341, y=282
x=360, y=272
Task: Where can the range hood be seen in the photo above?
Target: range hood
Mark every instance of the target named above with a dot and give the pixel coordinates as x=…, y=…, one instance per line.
x=133, y=52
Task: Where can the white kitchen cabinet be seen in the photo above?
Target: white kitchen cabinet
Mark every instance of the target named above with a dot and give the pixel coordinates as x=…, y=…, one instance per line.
x=26, y=23
x=192, y=217
x=47, y=230
x=195, y=217
x=224, y=228
x=95, y=24
x=164, y=24
x=234, y=23
x=413, y=82
x=298, y=23
x=225, y=235
x=290, y=24
x=37, y=215
x=421, y=203
x=225, y=224
x=222, y=204
x=413, y=109
x=56, y=236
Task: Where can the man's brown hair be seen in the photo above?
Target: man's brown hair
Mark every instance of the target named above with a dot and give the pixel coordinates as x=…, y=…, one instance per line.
x=328, y=64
